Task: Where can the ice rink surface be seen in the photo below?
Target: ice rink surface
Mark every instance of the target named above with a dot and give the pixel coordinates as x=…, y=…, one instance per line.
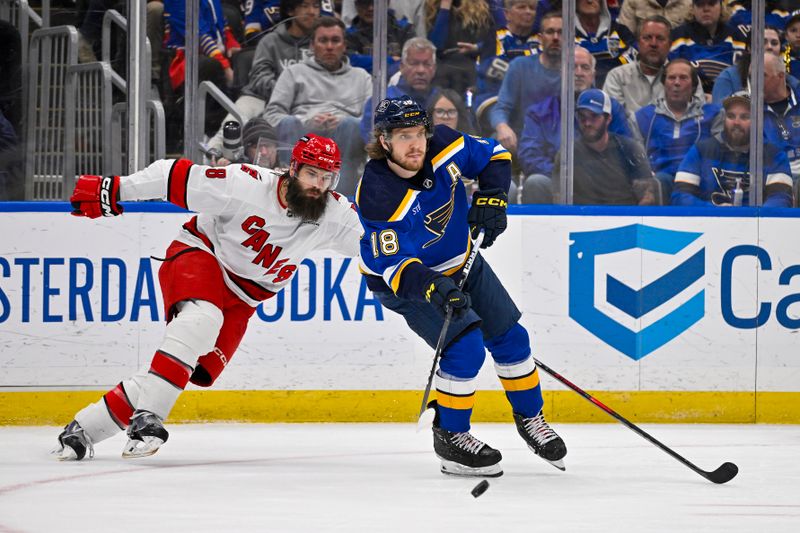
x=385, y=478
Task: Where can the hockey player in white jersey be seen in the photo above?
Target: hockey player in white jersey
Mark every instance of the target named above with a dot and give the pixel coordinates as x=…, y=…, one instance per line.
x=253, y=227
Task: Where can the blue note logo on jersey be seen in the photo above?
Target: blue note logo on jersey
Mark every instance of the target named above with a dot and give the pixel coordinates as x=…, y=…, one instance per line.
x=436, y=221
x=636, y=302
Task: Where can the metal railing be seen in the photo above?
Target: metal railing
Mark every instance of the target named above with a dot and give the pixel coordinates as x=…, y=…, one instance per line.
x=205, y=90
x=112, y=18
x=52, y=52
x=156, y=136
x=87, y=125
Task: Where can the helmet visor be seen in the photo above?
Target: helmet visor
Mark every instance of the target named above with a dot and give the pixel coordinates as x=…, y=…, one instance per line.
x=312, y=176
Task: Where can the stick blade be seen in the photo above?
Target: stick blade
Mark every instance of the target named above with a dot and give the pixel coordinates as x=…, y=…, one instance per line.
x=723, y=474
x=425, y=420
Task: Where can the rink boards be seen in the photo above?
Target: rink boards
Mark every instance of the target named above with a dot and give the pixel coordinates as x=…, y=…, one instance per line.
x=667, y=314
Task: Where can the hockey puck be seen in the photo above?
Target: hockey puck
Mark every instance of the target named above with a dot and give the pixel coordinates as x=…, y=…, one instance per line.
x=480, y=488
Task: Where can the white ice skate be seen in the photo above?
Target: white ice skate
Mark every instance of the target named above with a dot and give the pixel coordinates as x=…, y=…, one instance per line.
x=146, y=434
x=73, y=444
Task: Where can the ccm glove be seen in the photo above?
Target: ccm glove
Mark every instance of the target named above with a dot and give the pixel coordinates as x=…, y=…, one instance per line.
x=442, y=293
x=96, y=196
x=488, y=212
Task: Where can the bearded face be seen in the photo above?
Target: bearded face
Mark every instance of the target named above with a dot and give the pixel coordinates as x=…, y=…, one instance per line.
x=305, y=201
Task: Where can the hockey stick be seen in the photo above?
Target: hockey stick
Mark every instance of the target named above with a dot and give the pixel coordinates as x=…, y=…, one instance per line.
x=723, y=474
x=424, y=421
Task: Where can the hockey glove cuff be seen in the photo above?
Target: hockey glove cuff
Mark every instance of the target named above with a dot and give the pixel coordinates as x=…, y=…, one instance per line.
x=96, y=196
x=488, y=212
x=442, y=293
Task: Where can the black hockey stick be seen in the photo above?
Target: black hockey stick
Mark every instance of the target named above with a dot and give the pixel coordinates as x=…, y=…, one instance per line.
x=723, y=474
x=423, y=421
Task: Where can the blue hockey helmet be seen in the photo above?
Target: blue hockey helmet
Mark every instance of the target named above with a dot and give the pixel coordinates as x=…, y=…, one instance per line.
x=400, y=112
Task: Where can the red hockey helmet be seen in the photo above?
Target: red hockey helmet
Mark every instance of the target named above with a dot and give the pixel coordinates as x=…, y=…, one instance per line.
x=317, y=151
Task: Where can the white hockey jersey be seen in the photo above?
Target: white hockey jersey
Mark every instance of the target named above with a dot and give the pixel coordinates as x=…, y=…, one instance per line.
x=243, y=223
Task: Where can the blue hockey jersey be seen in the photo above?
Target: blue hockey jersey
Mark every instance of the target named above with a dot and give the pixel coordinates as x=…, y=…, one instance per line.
x=416, y=228
x=711, y=170
x=495, y=57
x=261, y=15
x=711, y=54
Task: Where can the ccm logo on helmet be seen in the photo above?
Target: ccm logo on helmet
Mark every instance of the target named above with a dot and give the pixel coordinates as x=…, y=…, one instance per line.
x=494, y=202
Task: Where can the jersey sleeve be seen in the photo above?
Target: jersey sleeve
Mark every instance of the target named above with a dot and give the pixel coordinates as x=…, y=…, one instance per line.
x=346, y=228
x=686, y=191
x=778, y=183
x=389, y=251
x=198, y=188
x=478, y=158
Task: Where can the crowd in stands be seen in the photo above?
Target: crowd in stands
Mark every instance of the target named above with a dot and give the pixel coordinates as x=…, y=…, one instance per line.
x=660, y=86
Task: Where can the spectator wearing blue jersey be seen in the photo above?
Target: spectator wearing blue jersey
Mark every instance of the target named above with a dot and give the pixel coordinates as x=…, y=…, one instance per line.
x=541, y=136
x=736, y=78
x=675, y=122
x=716, y=171
x=515, y=39
x=707, y=41
x=638, y=83
x=777, y=12
x=456, y=27
x=609, y=42
x=216, y=42
x=261, y=16
x=360, y=37
x=781, y=112
x=609, y=169
x=528, y=80
x=417, y=71
x=792, y=53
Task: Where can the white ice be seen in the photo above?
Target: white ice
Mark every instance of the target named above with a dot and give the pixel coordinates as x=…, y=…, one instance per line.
x=385, y=478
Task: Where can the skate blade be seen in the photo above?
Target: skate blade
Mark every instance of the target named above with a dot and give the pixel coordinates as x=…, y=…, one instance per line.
x=558, y=464
x=425, y=420
x=64, y=454
x=141, y=448
x=452, y=468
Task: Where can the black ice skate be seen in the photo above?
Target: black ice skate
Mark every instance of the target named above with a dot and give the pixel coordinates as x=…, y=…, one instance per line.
x=541, y=439
x=73, y=443
x=146, y=434
x=462, y=454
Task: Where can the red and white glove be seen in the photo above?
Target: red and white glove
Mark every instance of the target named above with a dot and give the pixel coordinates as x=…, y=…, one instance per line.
x=96, y=196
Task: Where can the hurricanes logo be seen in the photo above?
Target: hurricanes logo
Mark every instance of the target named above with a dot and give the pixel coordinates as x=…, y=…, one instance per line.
x=437, y=220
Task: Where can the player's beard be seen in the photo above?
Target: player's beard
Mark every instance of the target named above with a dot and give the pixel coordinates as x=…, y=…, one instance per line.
x=407, y=164
x=303, y=206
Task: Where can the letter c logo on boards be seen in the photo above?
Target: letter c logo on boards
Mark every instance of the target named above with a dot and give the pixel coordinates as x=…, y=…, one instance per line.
x=644, y=304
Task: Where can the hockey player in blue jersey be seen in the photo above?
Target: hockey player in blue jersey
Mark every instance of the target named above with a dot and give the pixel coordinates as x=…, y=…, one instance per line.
x=417, y=224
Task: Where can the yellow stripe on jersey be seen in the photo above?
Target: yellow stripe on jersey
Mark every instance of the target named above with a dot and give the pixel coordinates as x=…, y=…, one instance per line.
x=455, y=402
x=501, y=156
x=358, y=192
x=452, y=149
x=399, y=271
x=402, y=209
x=451, y=271
x=521, y=383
